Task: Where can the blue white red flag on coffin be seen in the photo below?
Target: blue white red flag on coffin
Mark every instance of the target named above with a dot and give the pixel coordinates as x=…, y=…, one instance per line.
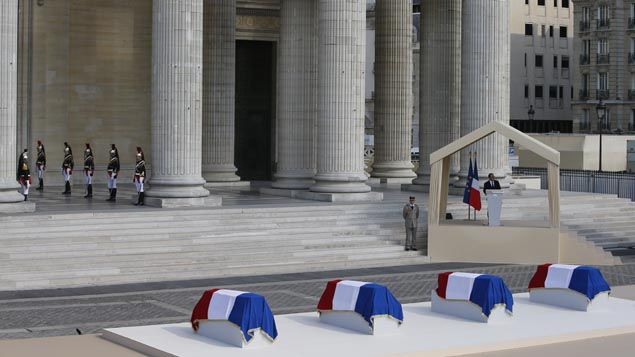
x=475, y=190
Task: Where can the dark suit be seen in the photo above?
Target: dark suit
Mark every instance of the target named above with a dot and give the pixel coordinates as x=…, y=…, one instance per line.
x=489, y=186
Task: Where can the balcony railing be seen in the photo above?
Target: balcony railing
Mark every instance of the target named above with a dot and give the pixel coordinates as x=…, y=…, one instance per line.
x=585, y=25
x=555, y=103
x=604, y=58
x=631, y=23
x=631, y=94
x=603, y=23
x=583, y=94
x=631, y=58
x=585, y=125
x=603, y=94
x=585, y=59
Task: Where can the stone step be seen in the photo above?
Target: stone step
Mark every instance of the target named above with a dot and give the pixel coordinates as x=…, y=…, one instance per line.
x=65, y=266
x=202, y=273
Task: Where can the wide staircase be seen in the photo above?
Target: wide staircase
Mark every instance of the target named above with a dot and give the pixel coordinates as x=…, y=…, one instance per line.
x=606, y=221
x=98, y=248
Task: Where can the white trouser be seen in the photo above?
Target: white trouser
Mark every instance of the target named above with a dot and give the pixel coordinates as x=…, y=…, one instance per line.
x=88, y=177
x=67, y=174
x=138, y=182
x=40, y=172
x=25, y=187
x=112, y=181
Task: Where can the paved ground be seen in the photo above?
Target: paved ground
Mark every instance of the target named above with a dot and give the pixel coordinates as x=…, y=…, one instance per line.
x=26, y=314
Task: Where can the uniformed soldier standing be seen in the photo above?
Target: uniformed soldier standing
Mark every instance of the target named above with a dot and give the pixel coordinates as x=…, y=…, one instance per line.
x=67, y=168
x=113, y=171
x=411, y=219
x=40, y=164
x=140, y=176
x=89, y=170
x=24, y=174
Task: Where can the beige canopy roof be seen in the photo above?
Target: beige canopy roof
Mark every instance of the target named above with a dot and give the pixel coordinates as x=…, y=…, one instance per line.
x=509, y=132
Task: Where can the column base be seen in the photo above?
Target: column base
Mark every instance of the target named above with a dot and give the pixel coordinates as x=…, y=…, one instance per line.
x=209, y=201
x=341, y=197
x=17, y=207
x=280, y=192
x=176, y=187
x=11, y=195
x=355, y=183
x=224, y=175
x=293, y=183
x=390, y=180
x=231, y=184
x=397, y=169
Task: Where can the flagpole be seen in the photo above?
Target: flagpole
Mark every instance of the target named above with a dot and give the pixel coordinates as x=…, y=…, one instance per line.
x=475, y=153
x=469, y=208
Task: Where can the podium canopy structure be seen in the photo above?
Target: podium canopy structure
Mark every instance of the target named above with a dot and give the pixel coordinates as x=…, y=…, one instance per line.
x=513, y=242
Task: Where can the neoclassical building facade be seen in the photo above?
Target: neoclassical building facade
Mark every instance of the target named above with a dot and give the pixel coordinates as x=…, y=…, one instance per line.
x=220, y=92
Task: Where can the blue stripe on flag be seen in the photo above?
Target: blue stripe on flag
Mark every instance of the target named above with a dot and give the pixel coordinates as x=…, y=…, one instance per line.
x=250, y=312
x=374, y=299
x=490, y=290
x=588, y=281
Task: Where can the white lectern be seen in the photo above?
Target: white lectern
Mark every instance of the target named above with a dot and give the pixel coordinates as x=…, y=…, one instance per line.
x=494, y=205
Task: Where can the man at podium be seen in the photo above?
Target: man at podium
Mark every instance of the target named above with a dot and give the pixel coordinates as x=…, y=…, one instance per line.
x=491, y=184
x=494, y=200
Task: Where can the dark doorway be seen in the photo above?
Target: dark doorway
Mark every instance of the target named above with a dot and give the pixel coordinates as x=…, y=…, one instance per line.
x=254, y=109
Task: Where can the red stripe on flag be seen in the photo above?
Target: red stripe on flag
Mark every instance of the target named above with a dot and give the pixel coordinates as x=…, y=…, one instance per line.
x=538, y=280
x=475, y=199
x=326, y=301
x=442, y=283
x=200, y=310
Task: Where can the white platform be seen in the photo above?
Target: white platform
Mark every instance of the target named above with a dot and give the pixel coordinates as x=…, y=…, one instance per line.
x=382, y=325
x=569, y=299
x=468, y=310
x=422, y=331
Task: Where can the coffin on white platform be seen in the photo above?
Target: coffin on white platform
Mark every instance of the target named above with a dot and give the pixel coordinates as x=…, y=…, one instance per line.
x=575, y=287
x=476, y=297
x=359, y=306
x=237, y=318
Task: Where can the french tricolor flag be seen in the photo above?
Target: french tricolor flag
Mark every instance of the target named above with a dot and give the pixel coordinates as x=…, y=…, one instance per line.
x=584, y=279
x=367, y=299
x=472, y=194
x=247, y=311
x=484, y=290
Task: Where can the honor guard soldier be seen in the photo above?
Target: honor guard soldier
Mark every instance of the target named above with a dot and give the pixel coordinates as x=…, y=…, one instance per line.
x=89, y=170
x=67, y=168
x=140, y=176
x=24, y=174
x=40, y=164
x=113, y=171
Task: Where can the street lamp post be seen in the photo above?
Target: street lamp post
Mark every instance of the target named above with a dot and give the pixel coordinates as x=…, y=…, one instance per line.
x=531, y=112
x=601, y=112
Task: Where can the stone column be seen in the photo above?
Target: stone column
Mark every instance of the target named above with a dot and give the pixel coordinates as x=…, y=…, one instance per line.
x=219, y=88
x=8, y=101
x=297, y=95
x=393, y=90
x=440, y=83
x=485, y=82
x=177, y=73
x=340, y=138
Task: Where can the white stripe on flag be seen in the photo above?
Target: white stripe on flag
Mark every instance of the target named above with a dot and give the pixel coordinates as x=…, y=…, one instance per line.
x=559, y=275
x=346, y=292
x=460, y=286
x=475, y=184
x=222, y=304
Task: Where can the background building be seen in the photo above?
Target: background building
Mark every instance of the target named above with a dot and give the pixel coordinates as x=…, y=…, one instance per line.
x=541, y=64
x=605, y=47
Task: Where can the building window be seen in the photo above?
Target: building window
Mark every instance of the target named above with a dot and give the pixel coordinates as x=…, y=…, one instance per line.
x=603, y=81
x=603, y=46
x=526, y=2
x=561, y=92
x=541, y=2
x=525, y=60
x=553, y=92
x=538, y=61
x=563, y=31
x=564, y=62
x=606, y=123
x=585, y=122
x=538, y=92
x=555, y=3
x=550, y=31
x=603, y=16
x=529, y=29
x=631, y=121
x=543, y=30
x=565, y=4
x=555, y=61
x=526, y=91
